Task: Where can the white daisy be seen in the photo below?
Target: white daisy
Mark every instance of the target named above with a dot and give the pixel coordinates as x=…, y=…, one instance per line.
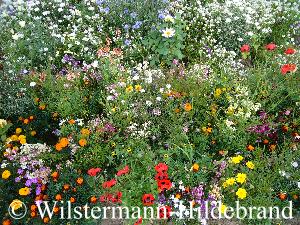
x=168, y=32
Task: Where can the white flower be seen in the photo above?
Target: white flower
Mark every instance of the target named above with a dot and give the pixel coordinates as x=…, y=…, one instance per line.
x=168, y=33
x=298, y=183
x=295, y=164
x=15, y=36
x=32, y=84
x=95, y=64
x=169, y=18
x=22, y=23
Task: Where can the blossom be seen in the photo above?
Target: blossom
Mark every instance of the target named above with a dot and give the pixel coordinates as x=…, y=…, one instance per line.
x=148, y=199
x=290, y=51
x=123, y=171
x=82, y=142
x=93, y=171
x=229, y=182
x=2, y=123
x=164, y=185
x=24, y=191
x=270, y=47
x=288, y=68
x=161, y=168
x=250, y=165
x=16, y=204
x=237, y=159
x=164, y=212
x=241, y=178
x=139, y=221
x=241, y=193
x=6, y=174
x=109, y=184
x=168, y=32
x=245, y=48
x=195, y=167
x=188, y=107
x=169, y=18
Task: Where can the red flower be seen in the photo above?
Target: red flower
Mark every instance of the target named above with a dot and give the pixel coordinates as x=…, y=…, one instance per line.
x=161, y=168
x=125, y=170
x=109, y=184
x=161, y=176
x=245, y=48
x=148, y=199
x=288, y=68
x=270, y=47
x=140, y=220
x=164, y=185
x=290, y=51
x=93, y=171
x=164, y=212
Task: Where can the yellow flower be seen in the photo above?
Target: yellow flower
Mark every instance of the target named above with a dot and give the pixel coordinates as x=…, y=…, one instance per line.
x=21, y=137
x=241, y=193
x=230, y=181
x=113, y=144
x=85, y=131
x=237, y=159
x=223, y=208
x=16, y=204
x=166, y=155
x=138, y=87
x=129, y=89
x=169, y=18
x=218, y=92
x=241, y=178
x=23, y=141
x=188, y=107
x=230, y=110
x=113, y=153
x=14, y=137
x=129, y=150
x=24, y=191
x=18, y=130
x=33, y=133
x=250, y=165
x=6, y=174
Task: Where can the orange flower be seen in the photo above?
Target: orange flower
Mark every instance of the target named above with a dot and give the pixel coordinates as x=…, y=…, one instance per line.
x=33, y=133
x=64, y=142
x=37, y=100
x=46, y=220
x=79, y=180
x=82, y=142
x=58, y=147
x=250, y=148
x=58, y=197
x=33, y=214
x=26, y=121
x=285, y=128
x=195, y=167
x=265, y=141
x=93, y=199
x=55, y=175
x=6, y=222
x=188, y=107
x=31, y=117
x=177, y=110
x=45, y=197
x=272, y=147
x=85, y=131
x=71, y=121
x=282, y=196
x=66, y=187
x=56, y=209
x=72, y=199
x=33, y=207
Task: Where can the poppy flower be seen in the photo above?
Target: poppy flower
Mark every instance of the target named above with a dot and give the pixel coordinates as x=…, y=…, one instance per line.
x=109, y=184
x=139, y=221
x=161, y=176
x=245, y=48
x=164, y=212
x=290, y=51
x=288, y=68
x=123, y=171
x=148, y=199
x=161, y=168
x=164, y=185
x=93, y=171
x=270, y=47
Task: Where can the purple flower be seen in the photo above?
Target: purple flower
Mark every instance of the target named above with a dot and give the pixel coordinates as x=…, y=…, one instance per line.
x=133, y=15
x=20, y=171
x=28, y=183
x=126, y=27
x=17, y=179
x=127, y=42
x=137, y=25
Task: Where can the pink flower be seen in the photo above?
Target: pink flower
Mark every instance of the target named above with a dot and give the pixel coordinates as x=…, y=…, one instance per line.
x=245, y=48
x=109, y=184
x=288, y=68
x=270, y=47
x=290, y=51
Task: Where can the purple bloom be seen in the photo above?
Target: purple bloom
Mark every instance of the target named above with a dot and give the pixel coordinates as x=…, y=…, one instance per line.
x=126, y=27
x=17, y=179
x=133, y=15
x=20, y=171
x=28, y=183
x=127, y=42
x=137, y=25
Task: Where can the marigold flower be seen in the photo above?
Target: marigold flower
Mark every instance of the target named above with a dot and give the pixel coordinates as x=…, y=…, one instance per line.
x=195, y=167
x=250, y=165
x=85, y=131
x=250, y=148
x=72, y=199
x=33, y=133
x=6, y=222
x=241, y=193
x=46, y=219
x=18, y=130
x=16, y=204
x=64, y=142
x=82, y=142
x=24, y=191
x=71, y=121
x=282, y=196
x=66, y=187
x=58, y=147
x=58, y=197
x=6, y=174
x=79, y=180
x=241, y=178
x=93, y=199
x=188, y=107
x=26, y=121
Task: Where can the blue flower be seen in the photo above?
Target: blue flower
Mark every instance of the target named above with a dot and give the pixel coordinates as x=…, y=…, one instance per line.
x=127, y=42
x=126, y=26
x=133, y=15
x=137, y=25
